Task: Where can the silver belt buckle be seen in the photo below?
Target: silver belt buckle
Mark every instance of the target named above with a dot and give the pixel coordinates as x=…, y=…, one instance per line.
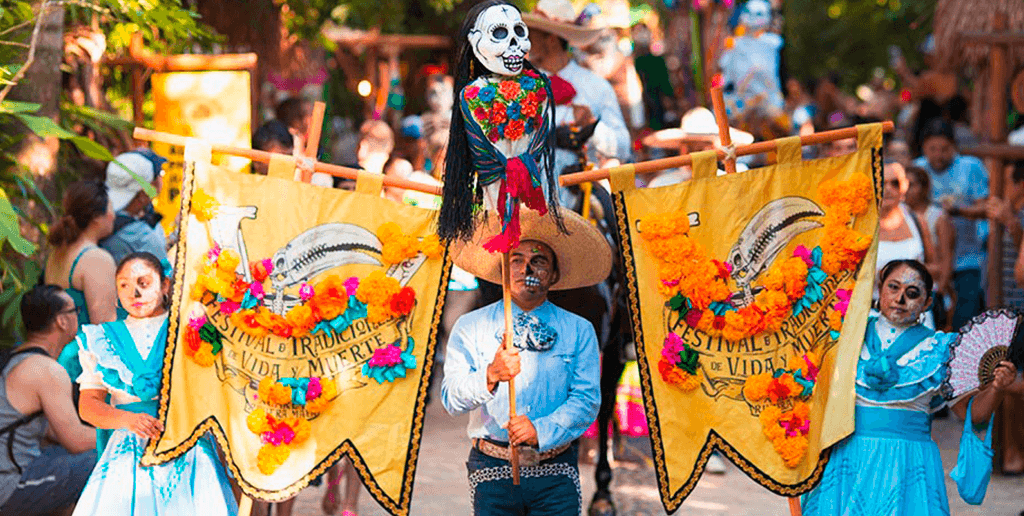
x=528, y=456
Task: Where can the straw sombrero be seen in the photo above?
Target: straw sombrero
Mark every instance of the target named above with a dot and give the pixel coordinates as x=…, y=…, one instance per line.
x=584, y=256
x=558, y=17
x=698, y=126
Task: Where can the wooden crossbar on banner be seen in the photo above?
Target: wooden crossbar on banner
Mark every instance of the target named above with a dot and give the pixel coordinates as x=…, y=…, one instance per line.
x=657, y=165
x=150, y=135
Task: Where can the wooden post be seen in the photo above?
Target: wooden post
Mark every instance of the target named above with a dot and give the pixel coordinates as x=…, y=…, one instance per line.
x=999, y=77
x=506, y=297
x=794, y=506
x=316, y=123
x=245, y=506
x=718, y=102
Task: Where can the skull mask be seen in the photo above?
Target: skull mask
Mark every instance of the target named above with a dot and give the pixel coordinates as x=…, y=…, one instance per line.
x=500, y=39
x=757, y=14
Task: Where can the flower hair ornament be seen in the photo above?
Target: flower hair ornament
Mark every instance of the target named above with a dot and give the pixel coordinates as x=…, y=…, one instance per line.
x=501, y=148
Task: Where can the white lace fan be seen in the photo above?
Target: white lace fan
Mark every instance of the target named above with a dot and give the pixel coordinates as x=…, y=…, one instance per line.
x=981, y=345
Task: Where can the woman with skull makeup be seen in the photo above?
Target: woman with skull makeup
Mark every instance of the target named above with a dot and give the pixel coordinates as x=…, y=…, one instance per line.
x=890, y=465
x=124, y=360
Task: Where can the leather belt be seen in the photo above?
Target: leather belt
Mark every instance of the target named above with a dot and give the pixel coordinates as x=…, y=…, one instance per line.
x=528, y=455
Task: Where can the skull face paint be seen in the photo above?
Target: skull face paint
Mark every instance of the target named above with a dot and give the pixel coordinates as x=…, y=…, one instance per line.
x=140, y=289
x=903, y=297
x=533, y=269
x=500, y=40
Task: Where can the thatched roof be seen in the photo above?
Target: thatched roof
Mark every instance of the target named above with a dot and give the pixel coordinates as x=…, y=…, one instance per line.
x=953, y=17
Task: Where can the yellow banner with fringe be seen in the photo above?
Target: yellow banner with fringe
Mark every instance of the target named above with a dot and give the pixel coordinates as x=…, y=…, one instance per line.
x=302, y=329
x=749, y=295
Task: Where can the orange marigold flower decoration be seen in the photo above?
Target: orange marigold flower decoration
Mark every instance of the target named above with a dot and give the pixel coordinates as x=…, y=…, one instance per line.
x=755, y=388
x=792, y=449
x=431, y=246
x=274, y=393
x=256, y=421
x=204, y=355
x=228, y=261
x=302, y=319
x=204, y=206
x=271, y=457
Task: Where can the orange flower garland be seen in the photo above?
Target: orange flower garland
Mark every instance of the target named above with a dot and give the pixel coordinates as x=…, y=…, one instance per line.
x=697, y=287
x=398, y=247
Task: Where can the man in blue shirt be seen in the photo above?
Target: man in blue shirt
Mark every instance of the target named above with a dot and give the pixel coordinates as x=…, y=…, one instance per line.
x=960, y=186
x=554, y=359
x=136, y=227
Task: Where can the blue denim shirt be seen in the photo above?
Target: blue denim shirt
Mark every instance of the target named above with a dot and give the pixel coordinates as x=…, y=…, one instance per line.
x=136, y=236
x=558, y=389
x=966, y=181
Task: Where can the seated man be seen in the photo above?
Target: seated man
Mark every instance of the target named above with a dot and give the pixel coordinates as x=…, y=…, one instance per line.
x=35, y=405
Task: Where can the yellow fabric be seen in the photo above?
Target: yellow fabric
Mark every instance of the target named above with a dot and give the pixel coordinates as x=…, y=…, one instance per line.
x=281, y=166
x=869, y=136
x=789, y=149
x=265, y=217
x=214, y=106
x=622, y=178
x=687, y=425
x=704, y=164
x=369, y=183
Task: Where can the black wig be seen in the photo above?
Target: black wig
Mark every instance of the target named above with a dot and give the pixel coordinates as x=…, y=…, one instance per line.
x=461, y=193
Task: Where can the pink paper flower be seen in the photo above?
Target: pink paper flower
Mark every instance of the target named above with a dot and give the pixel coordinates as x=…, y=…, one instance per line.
x=673, y=347
x=273, y=438
x=213, y=253
x=804, y=254
x=351, y=284
x=256, y=289
x=306, y=291
x=285, y=434
x=795, y=427
x=229, y=307
x=843, y=304
x=812, y=370
x=386, y=357
x=314, y=389
x=197, y=322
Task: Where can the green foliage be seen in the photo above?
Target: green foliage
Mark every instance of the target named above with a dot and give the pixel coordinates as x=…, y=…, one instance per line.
x=852, y=37
x=306, y=17
x=166, y=26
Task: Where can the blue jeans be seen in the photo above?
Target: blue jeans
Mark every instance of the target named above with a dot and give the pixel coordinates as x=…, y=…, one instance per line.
x=970, y=300
x=53, y=481
x=551, y=488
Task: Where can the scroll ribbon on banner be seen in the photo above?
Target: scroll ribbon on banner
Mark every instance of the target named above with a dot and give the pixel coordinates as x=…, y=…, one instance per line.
x=302, y=329
x=749, y=294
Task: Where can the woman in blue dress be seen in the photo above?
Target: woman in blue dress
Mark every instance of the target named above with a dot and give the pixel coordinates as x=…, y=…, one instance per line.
x=124, y=360
x=890, y=466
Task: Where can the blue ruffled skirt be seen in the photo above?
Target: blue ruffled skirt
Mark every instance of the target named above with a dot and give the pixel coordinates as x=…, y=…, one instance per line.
x=890, y=466
x=194, y=483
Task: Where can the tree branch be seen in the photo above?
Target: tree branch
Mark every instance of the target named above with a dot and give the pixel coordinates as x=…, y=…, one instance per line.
x=43, y=8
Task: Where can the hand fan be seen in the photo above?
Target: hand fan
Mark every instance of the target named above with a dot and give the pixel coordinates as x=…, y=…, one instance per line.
x=981, y=345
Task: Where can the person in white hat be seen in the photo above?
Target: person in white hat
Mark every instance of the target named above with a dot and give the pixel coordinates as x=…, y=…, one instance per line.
x=697, y=132
x=137, y=226
x=554, y=27
x=554, y=360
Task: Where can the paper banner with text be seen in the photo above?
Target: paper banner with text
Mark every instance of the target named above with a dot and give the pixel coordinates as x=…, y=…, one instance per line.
x=302, y=329
x=749, y=295
x=212, y=106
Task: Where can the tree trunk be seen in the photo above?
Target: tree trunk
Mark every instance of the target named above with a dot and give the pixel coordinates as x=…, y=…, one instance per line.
x=42, y=85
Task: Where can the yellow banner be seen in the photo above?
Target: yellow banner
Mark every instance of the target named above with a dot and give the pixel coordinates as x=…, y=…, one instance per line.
x=749, y=294
x=213, y=106
x=302, y=330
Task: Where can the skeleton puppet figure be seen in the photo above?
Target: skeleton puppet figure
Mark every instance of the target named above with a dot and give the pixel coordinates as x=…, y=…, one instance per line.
x=500, y=152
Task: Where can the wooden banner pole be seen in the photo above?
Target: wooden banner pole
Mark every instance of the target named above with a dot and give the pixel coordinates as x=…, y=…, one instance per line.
x=312, y=143
x=718, y=103
x=657, y=165
x=245, y=506
x=264, y=157
x=506, y=297
x=794, y=506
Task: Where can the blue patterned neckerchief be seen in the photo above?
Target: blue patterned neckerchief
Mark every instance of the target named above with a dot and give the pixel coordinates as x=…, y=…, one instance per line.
x=530, y=334
x=880, y=370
